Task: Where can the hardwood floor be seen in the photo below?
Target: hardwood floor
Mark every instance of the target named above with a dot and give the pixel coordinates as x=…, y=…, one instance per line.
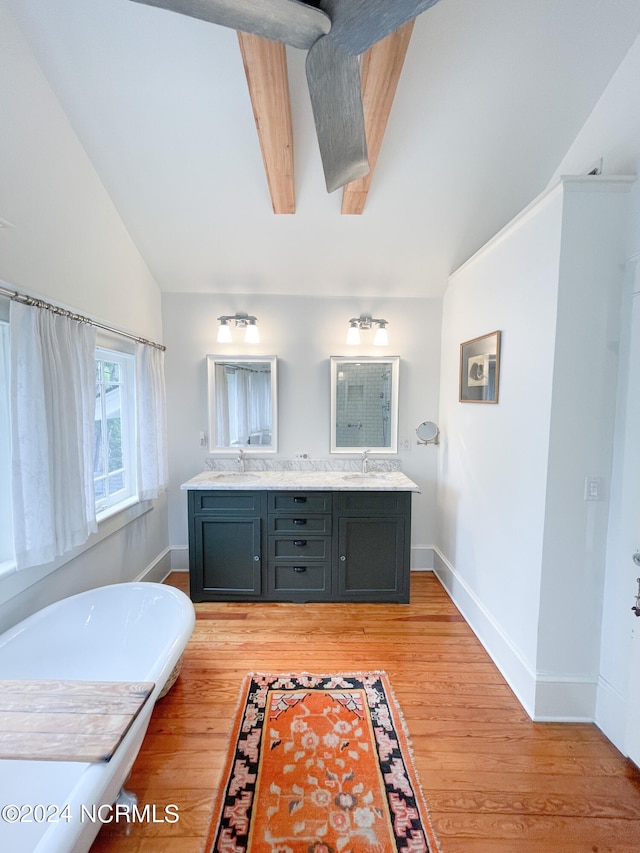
x=494, y=781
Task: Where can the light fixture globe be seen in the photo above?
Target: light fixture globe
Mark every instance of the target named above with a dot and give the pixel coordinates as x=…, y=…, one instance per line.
x=353, y=334
x=252, y=335
x=224, y=333
x=381, y=337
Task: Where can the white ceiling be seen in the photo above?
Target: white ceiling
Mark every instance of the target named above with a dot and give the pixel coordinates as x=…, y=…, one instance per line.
x=492, y=95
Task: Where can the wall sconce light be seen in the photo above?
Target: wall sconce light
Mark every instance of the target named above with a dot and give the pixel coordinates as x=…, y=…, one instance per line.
x=365, y=321
x=241, y=321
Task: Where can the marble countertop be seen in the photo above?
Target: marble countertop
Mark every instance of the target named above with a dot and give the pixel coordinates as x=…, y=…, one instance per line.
x=341, y=481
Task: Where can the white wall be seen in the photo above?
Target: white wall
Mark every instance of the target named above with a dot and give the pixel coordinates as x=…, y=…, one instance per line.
x=492, y=479
x=618, y=622
x=593, y=249
x=68, y=245
x=613, y=134
x=303, y=332
x=522, y=552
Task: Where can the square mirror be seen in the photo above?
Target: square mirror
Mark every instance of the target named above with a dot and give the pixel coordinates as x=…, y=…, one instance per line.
x=243, y=403
x=364, y=404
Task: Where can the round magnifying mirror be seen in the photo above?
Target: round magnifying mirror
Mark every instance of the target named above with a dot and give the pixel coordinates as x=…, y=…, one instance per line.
x=428, y=432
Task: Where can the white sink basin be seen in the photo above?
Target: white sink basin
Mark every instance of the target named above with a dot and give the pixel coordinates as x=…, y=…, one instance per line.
x=234, y=477
x=367, y=478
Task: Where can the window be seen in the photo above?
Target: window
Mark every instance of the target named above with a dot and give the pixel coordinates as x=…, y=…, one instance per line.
x=114, y=468
x=6, y=531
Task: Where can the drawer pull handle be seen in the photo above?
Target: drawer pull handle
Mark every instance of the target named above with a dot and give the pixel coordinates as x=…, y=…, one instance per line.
x=299, y=499
x=299, y=543
x=299, y=569
x=299, y=520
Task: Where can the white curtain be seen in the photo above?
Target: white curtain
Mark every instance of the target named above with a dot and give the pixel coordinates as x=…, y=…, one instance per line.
x=259, y=400
x=52, y=424
x=243, y=405
x=239, y=403
x=222, y=437
x=151, y=413
x=6, y=514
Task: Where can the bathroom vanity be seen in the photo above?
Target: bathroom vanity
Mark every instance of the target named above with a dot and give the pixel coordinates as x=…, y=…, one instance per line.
x=299, y=536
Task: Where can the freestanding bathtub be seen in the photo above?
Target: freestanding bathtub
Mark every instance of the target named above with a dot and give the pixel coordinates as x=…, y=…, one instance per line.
x=121, y=632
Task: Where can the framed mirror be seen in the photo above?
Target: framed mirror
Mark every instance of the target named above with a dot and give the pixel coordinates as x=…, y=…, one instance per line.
x=364, y=404
x=243, y=403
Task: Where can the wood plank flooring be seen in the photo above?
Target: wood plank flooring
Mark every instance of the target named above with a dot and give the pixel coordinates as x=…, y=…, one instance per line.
x=494, y=781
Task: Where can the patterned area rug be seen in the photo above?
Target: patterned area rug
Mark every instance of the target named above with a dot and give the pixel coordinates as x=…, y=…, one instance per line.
x=319, y=764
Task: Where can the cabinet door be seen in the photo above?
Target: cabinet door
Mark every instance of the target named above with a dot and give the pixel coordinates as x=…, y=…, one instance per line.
x=371, y=559
x=226, y=558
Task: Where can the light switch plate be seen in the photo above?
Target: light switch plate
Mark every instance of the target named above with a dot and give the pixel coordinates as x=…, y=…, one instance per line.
x=592, y=488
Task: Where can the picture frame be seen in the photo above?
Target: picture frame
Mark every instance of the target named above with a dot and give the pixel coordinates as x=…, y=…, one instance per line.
x=480, y=369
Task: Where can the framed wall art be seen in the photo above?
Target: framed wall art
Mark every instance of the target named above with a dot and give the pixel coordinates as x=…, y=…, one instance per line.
x=480, y=369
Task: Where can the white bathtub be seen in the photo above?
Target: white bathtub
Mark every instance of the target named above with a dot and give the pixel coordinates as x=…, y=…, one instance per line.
x=122, y=632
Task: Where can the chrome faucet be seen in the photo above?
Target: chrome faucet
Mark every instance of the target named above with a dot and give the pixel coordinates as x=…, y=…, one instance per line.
x=365, y=460
x=241, y=461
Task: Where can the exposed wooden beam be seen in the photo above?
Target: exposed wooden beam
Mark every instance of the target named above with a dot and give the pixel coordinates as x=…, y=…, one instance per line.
x=265, y=66
x=380, y=72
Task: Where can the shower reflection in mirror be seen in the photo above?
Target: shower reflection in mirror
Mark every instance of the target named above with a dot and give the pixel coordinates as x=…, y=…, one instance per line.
x=242, y=403
x=364, y=404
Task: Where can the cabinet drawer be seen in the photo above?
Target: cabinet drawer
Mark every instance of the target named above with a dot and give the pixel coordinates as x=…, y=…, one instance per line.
x=300, y=548
x=373, y=503
x=226, y=502
x=300, y=525
x=299, y=501
x=283, y=578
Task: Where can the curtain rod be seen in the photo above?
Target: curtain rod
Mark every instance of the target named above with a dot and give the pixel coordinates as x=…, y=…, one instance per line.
x=25, y=299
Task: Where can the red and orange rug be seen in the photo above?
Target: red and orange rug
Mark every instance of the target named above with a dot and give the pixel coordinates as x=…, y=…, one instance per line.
x=319, y=764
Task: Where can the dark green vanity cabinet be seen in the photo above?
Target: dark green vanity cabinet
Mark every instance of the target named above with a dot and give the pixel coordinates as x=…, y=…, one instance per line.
x=299, y=546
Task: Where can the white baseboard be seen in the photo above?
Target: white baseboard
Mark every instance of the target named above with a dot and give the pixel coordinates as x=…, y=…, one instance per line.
x=422, y=557
x=559, y=698
x=158, y=569
x=612, y=710
x=517, y=673
x=565, y=699
x=180, y=559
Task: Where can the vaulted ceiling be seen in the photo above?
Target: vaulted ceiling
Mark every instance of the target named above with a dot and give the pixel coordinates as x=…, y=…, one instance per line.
x=199, y=135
